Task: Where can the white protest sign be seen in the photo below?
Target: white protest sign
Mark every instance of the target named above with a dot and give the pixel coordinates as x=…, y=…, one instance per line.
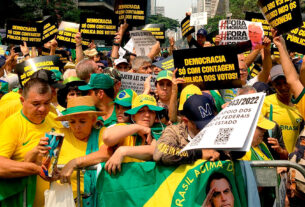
x=122, y=52
x=233, y=31
x=143, y=41
x=233, y=128
x=198, y=19
x=129, y=46
x=135, y=81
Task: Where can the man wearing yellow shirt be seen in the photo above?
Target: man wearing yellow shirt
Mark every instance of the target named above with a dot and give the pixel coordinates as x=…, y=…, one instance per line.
x=21, y=132
x=284, y=112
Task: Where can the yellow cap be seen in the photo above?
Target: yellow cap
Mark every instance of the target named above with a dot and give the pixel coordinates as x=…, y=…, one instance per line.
x=141, y=101
x=265, y=123
x=187, y=92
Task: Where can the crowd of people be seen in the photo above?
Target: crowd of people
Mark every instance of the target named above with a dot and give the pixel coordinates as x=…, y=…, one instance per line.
x=102, y=123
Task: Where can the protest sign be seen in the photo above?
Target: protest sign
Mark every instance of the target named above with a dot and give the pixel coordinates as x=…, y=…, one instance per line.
x=62, y=54
x=129, y=46
x=295, y=39
x=275, y=51
x=3, y=49
x=157, y=30
x=259, y=17
x=233, y=31
x=199, y=19
x=98, y=26
x=66, y=35
x=134, y=11
x=143, y=41
x=254, y=70
x=166, y=64
x=214, y=67
x=233, y=128
x=135, y=81
x=186, y=27
x=49, y=29
x=282, y=15
x=25, y=69
x=18, y=31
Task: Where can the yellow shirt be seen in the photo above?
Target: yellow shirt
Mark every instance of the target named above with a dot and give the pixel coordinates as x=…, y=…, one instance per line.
x=128, y=141
x=10, y=96
x=9, y=108
x=73, y=148
x=300, y=103
x=258, y=151
x=288, y=117
x=18, y=136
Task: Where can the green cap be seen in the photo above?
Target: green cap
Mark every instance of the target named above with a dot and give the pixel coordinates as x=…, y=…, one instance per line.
x=98, y=81
x=143, y=100
x=58, y=75
x=125, y=97
x=165, y=74
x=3, y=86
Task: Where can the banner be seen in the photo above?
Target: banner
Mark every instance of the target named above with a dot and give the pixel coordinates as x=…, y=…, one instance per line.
x=295, y=39
x=3, y=49
x=66, y=35
x=25, y=69
x=199, y=19
x=98, y=27
x=18, y=31
x=134, y=11
x=213, y=67
x=282, y=15
x=166, y=64
x=259, y=17
x=184, y=185
x=135, y=81
x=62, y=54
x=233, y=128
x=233, y=31
x=143, y=42
x=186, y=28
x=157, y=30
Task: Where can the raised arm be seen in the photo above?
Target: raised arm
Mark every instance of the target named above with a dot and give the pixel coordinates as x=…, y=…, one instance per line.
x=79, y=49
x=267, y=61
x=288, y=67
x=115, y=134
x=118, y=40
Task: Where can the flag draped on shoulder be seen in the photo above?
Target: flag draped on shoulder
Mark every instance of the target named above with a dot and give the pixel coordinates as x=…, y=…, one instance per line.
x=149, y=184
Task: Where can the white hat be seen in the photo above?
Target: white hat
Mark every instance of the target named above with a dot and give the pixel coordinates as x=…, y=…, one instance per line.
x=120, y=60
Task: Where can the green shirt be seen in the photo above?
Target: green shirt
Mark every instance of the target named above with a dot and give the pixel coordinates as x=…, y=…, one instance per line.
x=110, y=121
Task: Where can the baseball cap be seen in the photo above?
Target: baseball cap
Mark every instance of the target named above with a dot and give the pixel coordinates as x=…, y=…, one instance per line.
x=48, y=76
x=276, y=71
x=199, y=109
x=265, y=123
x=3, y=87
x=165, y=74
x=58, y=75
x=120, y=60
x=202, y=32
x=141, y=101
x=90, y=52
x=113, y=73
x=98, y=81
x=125, y=97
x=187, y=92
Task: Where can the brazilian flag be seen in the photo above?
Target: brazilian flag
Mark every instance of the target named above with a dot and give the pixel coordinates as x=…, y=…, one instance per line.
x=149, y=184
x=14, y=191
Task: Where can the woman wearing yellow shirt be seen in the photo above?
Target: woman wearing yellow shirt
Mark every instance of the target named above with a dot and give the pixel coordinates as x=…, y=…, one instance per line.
x=82, y=145
x=134, y=140
x=259, y=150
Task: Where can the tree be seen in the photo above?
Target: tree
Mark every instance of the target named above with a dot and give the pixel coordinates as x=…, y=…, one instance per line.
x=213, y=23
x=168, y=22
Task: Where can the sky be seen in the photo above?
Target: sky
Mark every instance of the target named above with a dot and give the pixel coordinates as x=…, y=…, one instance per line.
x=175, y=9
